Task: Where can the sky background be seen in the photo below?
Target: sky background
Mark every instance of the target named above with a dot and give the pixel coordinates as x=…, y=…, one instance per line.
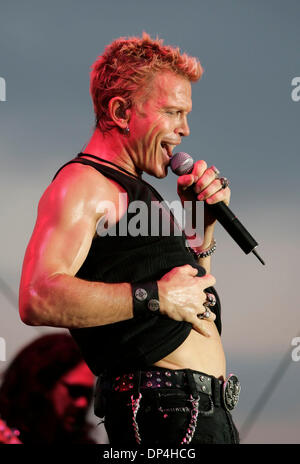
x=244, y=121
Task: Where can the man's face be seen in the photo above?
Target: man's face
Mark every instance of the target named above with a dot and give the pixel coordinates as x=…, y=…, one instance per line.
x=71, y=397
x=158, y=124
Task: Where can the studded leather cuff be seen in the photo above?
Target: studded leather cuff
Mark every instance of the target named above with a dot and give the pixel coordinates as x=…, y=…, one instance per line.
x=145, y=298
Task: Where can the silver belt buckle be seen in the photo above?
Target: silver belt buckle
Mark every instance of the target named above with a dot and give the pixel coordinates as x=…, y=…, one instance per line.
x=231, y=392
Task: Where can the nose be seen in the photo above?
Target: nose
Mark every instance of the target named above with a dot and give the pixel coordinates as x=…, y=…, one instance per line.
x=183, y=129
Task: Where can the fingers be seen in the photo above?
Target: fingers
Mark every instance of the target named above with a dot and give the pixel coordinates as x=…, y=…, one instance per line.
x=208, y=280
x=208, y=176
x=188, y=270
x=212, y=317
x=214, y=187
x=187, y=180
x=199, y=169
x=209, y=315
x=201, y=327
x=182, y=296
x=205, y=182
x=220, y=195
x=209, y=187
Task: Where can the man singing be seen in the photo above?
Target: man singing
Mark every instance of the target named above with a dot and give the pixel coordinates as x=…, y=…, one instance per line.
x=142, y=307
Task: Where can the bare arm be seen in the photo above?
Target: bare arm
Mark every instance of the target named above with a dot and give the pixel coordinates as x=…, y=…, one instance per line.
x=66, y=223
x=207, y=240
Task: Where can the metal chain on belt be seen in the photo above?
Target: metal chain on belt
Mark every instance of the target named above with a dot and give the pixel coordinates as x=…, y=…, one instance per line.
x=193, y=421
x=135, y=404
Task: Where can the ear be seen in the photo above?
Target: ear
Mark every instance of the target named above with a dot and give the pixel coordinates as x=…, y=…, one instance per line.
x=118, y=112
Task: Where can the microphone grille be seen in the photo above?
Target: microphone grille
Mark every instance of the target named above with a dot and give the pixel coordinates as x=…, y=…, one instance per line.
x=181, y=163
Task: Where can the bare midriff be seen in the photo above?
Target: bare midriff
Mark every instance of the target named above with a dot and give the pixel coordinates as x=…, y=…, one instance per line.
x=200, y=353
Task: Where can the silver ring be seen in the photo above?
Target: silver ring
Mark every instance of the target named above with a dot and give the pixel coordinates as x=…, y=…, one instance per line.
x=216, y=171
x=204, y=315
x=224, y=182
x=210, y=300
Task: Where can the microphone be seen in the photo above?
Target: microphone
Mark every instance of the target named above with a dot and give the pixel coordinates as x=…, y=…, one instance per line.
x=181, y=163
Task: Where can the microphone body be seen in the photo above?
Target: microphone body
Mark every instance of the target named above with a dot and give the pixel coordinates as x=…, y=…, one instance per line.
x=181, y=163
x=233, y=226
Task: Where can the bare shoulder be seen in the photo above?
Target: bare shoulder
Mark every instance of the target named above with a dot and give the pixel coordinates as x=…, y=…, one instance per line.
x=67, y=217
x=78, y=187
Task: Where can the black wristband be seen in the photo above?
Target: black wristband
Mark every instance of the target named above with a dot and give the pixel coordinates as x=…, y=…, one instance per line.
x=145, y=298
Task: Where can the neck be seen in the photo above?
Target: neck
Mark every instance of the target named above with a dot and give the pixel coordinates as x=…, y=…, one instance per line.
x=111, y=146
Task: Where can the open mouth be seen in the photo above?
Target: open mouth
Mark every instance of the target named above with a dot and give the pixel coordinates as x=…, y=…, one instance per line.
x=166, y=149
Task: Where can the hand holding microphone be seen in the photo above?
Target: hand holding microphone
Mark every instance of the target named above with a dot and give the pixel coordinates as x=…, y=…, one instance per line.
x=182, y=163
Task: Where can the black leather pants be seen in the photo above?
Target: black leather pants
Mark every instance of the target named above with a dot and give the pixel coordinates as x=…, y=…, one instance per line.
x=173, y=416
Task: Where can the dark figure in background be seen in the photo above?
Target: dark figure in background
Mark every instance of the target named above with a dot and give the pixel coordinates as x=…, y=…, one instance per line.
x=46, y=392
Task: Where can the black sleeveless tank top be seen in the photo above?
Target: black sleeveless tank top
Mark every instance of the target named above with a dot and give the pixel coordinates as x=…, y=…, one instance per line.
x=122, y=257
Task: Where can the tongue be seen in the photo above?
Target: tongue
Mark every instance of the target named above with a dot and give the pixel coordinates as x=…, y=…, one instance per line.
x=165, y=151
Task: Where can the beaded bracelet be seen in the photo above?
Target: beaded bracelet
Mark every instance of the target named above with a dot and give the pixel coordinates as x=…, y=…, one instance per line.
x=205, y=253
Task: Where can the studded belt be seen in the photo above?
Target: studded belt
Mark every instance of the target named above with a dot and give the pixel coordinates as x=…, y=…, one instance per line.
x=159, y=379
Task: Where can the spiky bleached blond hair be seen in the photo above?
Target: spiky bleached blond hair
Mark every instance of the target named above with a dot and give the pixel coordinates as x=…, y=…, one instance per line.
x=128, y=66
